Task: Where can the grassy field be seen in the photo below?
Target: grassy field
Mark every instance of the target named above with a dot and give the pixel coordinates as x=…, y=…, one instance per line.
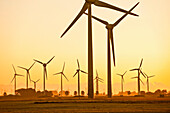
x=116, y=104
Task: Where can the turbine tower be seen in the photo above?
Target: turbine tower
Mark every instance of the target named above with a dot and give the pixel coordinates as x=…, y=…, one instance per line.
x=148, y=80
x=62, y=74
x=78, y=72
x=139, y=80
x=139, y=72
x=45, y=70
x=35, y=82
x=110, y=42
x=15, y=79
x=98, y=79
x=122, y=80
x=87, y=5
x=27, y=74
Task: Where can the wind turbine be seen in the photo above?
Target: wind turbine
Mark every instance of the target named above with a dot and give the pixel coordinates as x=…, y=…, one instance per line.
x=122, y=79
x=87, y=5
x=138, y=79
x=78, y=72
x=62, y=74
x=110, y=41
x=98, y=79
x=148, y=80
x=139, y=72
x=35, y=83
x=45, y=70
x=14, y=78
x=28, y=73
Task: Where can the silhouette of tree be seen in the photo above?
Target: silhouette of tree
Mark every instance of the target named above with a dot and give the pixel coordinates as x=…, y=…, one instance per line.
x=164, y=91
x=158, y=91
x=75, y=93
x=82, y=93
x=67, y=93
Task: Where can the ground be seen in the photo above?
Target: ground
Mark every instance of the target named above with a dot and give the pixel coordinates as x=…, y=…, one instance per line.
x=116, y=104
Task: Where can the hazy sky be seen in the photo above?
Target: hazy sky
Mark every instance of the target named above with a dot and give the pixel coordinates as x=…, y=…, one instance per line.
x=31, y=29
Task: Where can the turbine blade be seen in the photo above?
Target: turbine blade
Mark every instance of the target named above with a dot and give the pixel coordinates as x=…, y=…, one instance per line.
x=151, y=76
x=63, y=67
x=38, y=61
x=14, y=68
x=100, y=20
x=146, y=75
x=83, y=72
x=13, y=78
x=142, y=73
x=75, y=74
x=65, y=76
x=134, y=77
x=78, y=64
x=37, y=80
x=50, y=60
x=19, y=75
x=124, y=73
x=100, y=79
x=57, y=73
x=22, y=68
x=119, y=74
x=142, y=82
x=31, y=65
x=134, y=69
x=46, y=73
x=118, y=21
x=77, y=17
x=113, y=50
x=97, y=73
x=106, y=5
x=141, y=63
x=29, y=76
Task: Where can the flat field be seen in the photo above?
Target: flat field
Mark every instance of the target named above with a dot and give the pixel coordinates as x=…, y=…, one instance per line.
x=71, y=104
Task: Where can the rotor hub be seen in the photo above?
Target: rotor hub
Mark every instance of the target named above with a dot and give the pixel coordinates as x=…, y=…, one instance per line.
x=109, y=26
x=44, y=65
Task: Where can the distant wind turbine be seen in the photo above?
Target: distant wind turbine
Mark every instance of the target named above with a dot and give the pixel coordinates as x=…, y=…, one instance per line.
x=110, y=41
x=35, y=82
x=27, y=74
x=148, y=80
x=122, y=80
x=87, y=5
x=62, y=74
x=45, y=69
x=98, y=79
x=15, y=79
x=78, y=72
x=139, y=72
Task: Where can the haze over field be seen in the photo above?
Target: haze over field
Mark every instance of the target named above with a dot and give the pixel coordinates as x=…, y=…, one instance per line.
x=31, y=29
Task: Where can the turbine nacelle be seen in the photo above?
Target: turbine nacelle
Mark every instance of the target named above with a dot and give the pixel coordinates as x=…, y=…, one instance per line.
x=44, y=65
x=109, y=26
x=91, y=1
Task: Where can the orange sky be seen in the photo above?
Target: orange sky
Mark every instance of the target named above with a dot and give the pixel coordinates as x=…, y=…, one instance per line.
x=31, y=29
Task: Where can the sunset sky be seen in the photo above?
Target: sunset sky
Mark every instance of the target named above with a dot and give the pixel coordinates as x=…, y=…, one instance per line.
x=31, y=29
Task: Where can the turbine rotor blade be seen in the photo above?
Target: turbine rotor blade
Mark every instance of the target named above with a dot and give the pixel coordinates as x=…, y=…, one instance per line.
x=83, y=72
x=97, y=73
x=29, y=76
x=46, y=73
x=38, y=61
x=75, y=74
x=50, y=60
x=118, y=21
x=22, y=68
x=37, y=80
x=113, y=50
x=142, y=73
x=19, y=75
x=14, y=68
x=57, y=73
x=101, y=79
x=134, y=77
x=134, y=69
x=151, y=76
x=119, y=74
x=77, y=17
x=124, y=73
x=13, y=78
x=65, y=76
x=100, y=20
x=63, y=67
x=141, y=63
x=103, y=4
x=31, y=65
x=78, y=64
x=142, y=82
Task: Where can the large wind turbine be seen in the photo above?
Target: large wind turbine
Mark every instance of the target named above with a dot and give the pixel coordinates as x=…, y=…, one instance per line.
x=15, y=79
x=45, y=69
x=27, y=74
x=78, y=72
x=87, y=5
x=98, y=79
x=35, y=82
x=148, y=80
x=122, y=80
x=62, y=74
x=139, y=72
x=110, y=40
